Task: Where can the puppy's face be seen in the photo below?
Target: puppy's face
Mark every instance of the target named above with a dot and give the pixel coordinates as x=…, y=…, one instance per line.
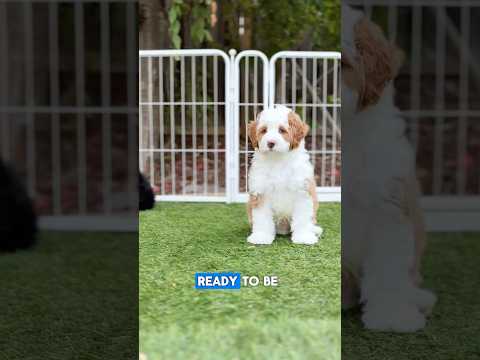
x=369, y=62
x=277, y=130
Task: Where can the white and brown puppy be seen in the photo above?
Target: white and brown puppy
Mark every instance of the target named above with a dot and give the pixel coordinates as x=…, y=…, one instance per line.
x=382, y=225
x=281, y=183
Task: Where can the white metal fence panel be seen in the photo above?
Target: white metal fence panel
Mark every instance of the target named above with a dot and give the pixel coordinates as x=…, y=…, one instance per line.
x=183, y=125
x=309, y=82
x=195, y=106
x=251, y=96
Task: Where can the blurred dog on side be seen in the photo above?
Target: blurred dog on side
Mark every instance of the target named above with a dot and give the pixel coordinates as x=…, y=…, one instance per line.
x=146, y=196
x=383, y=236
x=18, y=222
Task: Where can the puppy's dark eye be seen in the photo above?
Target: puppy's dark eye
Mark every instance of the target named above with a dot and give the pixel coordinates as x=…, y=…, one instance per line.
x=263, y=131
x=282, y=130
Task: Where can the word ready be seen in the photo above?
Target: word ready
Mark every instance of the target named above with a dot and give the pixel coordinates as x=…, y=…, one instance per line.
x=217, y=280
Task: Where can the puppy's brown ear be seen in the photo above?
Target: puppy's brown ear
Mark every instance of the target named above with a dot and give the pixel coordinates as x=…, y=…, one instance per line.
x=379, y=61
x=297, y=129
x=252, y=133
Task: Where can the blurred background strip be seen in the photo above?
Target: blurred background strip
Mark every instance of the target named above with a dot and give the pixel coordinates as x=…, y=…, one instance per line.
x=68, y=90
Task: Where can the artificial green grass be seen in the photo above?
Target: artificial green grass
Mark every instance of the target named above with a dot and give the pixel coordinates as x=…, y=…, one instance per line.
x=73, y=296
x=299, y=319
x=451, y=270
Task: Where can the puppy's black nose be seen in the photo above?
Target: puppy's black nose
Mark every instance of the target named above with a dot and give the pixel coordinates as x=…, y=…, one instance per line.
x=271, y=144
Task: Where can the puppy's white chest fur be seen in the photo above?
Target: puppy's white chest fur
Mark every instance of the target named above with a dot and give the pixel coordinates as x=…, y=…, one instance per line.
x=281, y=179
x=282, y=191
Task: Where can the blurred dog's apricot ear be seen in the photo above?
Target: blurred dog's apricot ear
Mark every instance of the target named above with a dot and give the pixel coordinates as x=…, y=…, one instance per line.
x=297, y=129
x=379, y=61
x=252, y=133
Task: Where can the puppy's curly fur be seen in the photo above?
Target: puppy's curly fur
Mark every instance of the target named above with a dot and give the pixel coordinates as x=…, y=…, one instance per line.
x=282, y=190
x=384, y=239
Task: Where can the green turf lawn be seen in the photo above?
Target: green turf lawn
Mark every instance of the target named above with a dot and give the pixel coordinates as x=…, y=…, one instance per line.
x=451, y=269
x=70, y=297
x=299, y=319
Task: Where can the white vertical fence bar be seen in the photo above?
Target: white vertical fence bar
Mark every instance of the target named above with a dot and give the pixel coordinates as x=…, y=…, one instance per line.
x=246, y=101
x=231, y=160
x=304, y=87
x=106, y=118
x=4, y=117
x=229, y=144
x=29, y=94
x=205, y=124
x=172, y=125
x=140, y=114
x=293, y=100
x=81, y=124
x=284, y=80
x=255, y=85
x=324, y=121
x=314, y=110
x=183, y=129
x=194, y=126
x=463, y=105
x=55, y=101
x=439, y=100
x=161, y=125
x=334, y=124
x=150, y=118
x=416, y=62
x=131, y=41
x=215, y=123
x=392, y=21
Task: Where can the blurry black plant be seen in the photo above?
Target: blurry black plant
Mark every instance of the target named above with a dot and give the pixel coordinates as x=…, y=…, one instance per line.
x=18, y=221
x=146, y=197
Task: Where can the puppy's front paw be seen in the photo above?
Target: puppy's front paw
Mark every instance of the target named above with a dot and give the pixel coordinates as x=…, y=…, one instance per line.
x=304, y=237
x=401, y=318
x=317, y=230
x=260, y=238
x=425, y=300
